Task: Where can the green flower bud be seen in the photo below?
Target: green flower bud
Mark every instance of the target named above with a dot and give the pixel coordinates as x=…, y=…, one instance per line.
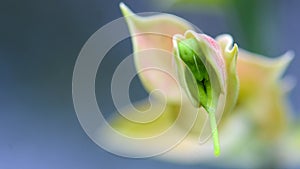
x=203, y=73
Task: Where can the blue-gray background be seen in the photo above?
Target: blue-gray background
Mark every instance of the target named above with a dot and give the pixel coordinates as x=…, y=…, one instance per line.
x=39, y=43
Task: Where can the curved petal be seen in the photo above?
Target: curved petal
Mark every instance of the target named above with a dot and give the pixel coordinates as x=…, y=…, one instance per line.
x=171, y=119
x=230, y=55
x=262, y=91
x=154, y=34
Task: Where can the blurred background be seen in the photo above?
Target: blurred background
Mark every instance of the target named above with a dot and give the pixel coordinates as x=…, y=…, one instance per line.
x=40, y=41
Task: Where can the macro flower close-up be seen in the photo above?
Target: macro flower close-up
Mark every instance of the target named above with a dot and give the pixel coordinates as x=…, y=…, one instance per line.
x=241, y=92
x=172, y=84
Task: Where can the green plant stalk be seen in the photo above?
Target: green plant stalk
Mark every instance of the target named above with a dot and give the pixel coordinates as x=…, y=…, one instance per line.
x=215, y=134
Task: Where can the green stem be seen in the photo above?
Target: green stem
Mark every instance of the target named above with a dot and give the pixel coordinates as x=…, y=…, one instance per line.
x=215, y=135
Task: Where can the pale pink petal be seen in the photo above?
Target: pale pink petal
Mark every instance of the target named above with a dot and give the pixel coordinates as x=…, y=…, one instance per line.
x=152, y=44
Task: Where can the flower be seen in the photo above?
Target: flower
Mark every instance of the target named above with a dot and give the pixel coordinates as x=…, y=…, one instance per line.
x=248, y=130
x=208, y=74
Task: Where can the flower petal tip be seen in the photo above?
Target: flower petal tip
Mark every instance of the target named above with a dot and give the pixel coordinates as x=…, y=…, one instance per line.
x=283, y=62
x=229, y=48
x=125, y=10
x=287, y=58
x=234, y=53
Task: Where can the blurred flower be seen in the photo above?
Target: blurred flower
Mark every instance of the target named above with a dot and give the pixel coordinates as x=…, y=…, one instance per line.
x=249, y=132
x=288, y=146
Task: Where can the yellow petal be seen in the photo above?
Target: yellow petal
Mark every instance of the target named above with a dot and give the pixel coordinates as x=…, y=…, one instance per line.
x=262, y=92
